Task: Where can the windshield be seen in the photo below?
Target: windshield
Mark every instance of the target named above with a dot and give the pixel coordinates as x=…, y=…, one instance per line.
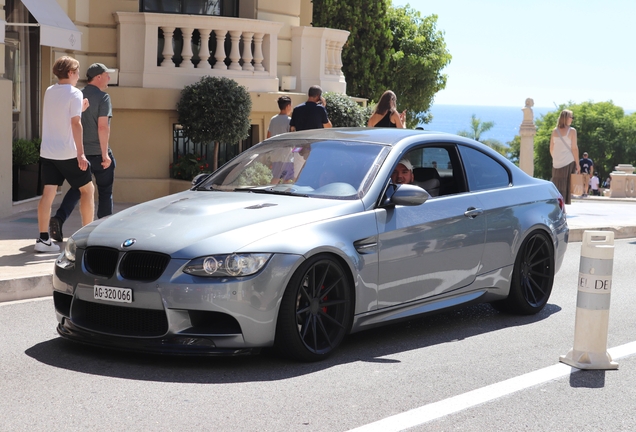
x=325, y=169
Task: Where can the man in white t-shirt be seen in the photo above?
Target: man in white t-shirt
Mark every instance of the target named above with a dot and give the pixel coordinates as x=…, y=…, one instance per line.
x=62, y=149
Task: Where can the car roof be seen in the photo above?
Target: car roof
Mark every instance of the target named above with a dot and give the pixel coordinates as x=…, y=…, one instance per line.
x=392, y=137
x=387, y=136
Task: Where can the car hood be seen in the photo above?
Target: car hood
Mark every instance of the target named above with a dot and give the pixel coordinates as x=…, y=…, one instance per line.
x=192, y=223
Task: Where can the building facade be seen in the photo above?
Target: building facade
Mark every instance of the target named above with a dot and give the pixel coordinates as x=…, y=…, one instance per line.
x=158, y=47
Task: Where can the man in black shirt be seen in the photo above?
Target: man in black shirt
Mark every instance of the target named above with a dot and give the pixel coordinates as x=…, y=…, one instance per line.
x=311, y=114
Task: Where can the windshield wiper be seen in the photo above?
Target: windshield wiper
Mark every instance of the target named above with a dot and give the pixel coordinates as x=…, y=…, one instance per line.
x=271, y=190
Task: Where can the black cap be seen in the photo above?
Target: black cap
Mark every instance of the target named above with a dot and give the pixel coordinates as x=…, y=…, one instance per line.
x=97, y=69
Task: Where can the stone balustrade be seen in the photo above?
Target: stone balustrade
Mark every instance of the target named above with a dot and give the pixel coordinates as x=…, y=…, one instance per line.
x=623, y=184
x=172, y=51
x=151, y=55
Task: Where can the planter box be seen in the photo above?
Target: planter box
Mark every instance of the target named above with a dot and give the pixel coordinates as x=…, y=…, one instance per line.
x=27, y=182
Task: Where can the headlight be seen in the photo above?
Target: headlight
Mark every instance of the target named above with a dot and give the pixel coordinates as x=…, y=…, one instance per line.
x=227, y=265
x=70, y=249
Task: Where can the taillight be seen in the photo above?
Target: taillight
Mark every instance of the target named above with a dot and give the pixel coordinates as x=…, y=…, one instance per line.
x=561, y=202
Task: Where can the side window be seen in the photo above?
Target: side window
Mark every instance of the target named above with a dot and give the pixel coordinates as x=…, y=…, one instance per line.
x=483, y=172
x=436, y=169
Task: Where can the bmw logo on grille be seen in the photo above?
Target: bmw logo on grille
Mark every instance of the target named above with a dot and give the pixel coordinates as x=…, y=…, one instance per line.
x=129, y=242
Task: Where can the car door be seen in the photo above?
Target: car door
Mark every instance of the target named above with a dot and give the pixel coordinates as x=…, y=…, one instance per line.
x=491, y=182
x=433, y=248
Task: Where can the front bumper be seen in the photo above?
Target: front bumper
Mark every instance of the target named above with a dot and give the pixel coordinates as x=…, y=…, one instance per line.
x=178, y=313
x=169, y=345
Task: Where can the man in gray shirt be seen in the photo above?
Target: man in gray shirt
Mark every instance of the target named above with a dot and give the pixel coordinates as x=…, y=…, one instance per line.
x=280, y=123
x=96, y=124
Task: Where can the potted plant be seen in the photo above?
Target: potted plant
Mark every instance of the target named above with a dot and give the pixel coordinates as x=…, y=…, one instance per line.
x=26, y=169
x=188, y=166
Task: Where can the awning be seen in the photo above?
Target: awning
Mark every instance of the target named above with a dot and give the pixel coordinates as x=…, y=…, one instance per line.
x=56, y=28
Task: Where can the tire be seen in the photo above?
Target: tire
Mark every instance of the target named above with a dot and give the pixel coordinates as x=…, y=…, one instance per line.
x=532, y=277
x=316, y=311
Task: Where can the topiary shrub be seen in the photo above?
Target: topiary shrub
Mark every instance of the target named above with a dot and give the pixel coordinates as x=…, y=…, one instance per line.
x=256, y=174
x=26, y=152
x=215, y=110
x=344, y=111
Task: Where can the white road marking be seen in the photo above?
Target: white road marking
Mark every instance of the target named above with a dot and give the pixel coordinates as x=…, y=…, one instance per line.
x=436, y=410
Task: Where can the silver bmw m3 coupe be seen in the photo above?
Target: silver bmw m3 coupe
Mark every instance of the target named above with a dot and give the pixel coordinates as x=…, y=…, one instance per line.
x=309, y=236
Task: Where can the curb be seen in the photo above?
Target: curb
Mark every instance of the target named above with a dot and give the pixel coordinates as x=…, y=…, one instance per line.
x=26, y=288
x=576, y=234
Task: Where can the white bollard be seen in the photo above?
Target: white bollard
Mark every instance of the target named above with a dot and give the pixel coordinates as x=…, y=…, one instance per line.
x=593, y=303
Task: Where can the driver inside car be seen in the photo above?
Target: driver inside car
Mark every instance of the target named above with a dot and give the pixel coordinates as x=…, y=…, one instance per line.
x=403, y=172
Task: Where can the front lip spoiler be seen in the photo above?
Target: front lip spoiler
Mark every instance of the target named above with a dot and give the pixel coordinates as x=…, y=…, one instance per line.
x=167, y=345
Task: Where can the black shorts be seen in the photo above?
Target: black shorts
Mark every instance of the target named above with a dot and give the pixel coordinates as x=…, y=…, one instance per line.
x=54, y=172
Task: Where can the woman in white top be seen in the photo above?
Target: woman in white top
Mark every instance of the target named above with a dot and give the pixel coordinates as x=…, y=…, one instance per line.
x=565, y=154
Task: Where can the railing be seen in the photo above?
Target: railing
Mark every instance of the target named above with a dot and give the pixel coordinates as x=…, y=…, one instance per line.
x=172, y=51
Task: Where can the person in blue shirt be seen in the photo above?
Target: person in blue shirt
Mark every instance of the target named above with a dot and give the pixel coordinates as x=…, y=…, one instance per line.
x=587, y=167
x=311, y=114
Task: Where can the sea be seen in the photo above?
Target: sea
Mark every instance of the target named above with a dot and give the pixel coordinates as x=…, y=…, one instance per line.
x=455, y=118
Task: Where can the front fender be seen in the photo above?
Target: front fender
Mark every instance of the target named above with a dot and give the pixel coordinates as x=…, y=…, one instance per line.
x=336, y=236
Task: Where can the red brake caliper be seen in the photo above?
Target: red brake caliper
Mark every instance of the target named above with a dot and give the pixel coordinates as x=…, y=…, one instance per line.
x=324, y=309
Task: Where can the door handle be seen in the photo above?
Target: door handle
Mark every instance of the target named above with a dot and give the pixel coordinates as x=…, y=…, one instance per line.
x=473, y=212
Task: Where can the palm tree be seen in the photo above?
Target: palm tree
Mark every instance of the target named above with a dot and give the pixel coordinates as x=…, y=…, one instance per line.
x=477, y=128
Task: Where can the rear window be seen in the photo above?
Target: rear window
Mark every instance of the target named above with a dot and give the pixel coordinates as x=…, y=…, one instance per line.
x=483, y=172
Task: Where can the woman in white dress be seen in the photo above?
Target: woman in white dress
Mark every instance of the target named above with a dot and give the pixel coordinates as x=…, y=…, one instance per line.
x=565, y=154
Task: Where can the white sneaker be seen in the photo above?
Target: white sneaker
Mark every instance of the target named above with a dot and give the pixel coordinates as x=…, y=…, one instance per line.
x=46, y=246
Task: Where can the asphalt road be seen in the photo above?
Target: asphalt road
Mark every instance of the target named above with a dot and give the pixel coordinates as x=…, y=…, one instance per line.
x=47, y=384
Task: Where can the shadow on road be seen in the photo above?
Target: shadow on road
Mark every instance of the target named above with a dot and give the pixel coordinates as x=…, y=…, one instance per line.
x=367, y=346
x=587, y=379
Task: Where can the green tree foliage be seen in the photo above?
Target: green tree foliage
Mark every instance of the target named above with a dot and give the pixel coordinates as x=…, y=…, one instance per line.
x=188, y=166
x=215, y=110
x=477, y=127
x=257, y=174
x=388, y=48
x=514, y=150
x=344, y=112
x=542, y=157
x=26, y=152
x=368, y=50
x=603, y=131
x=419, y=55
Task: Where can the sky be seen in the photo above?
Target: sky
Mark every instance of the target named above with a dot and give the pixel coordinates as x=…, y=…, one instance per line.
x=554, y=52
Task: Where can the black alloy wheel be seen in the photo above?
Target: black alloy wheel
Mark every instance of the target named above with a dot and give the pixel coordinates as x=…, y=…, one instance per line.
x=316, y=311
x=532, y=277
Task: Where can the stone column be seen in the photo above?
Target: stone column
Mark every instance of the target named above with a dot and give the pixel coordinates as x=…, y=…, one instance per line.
x=527, y=131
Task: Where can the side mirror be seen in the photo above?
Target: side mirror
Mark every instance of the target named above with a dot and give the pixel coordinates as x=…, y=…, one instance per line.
x=198, y=179
x=408, y=195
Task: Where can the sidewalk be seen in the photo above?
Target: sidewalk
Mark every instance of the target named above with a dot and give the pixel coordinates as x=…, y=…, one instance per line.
x=25, y=274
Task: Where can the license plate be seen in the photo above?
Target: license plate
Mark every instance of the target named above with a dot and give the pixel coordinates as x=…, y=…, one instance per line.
x=120, y=295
